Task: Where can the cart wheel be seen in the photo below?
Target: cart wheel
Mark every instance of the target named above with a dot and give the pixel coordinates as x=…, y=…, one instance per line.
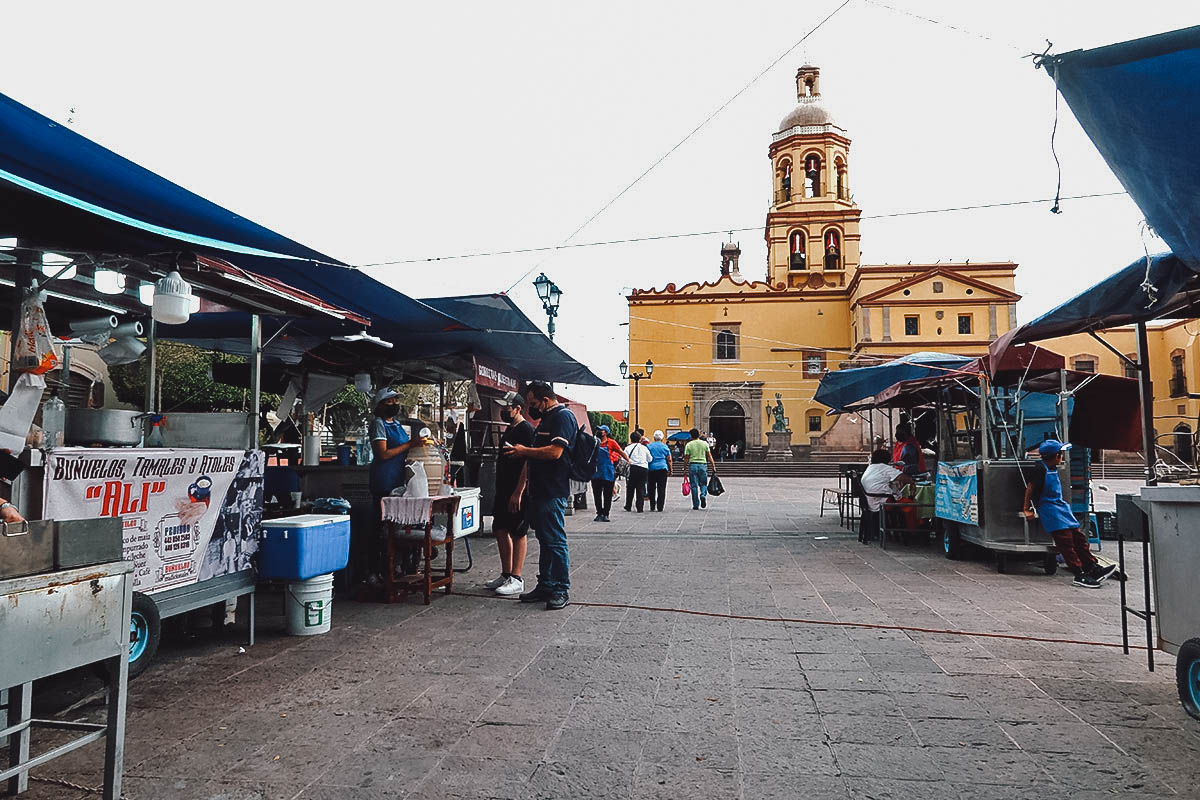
x=951, y=543
x=1187, y=677
x=1002, y=563
x=145, y=632
x=1050, y=565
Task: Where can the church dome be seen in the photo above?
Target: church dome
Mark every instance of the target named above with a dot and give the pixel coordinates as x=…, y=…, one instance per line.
x=810, y=111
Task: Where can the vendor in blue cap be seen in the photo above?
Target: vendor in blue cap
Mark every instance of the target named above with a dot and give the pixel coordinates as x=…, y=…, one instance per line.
x=389, y=444
x=1044, y=499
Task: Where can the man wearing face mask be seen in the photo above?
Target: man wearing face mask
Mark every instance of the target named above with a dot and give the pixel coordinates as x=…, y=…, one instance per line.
x=508, y=520
x=549, y=492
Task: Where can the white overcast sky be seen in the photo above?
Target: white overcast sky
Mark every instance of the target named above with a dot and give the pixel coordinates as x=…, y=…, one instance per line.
x=388, y=131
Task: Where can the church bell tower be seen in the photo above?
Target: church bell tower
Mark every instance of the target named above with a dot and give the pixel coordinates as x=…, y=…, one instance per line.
x=812, y=226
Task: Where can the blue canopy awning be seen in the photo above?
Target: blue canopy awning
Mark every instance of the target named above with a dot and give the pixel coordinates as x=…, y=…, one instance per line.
x=1139, y=102
x=842, y=387
x=504, y=333
x=1168, y=289
x=63, y=192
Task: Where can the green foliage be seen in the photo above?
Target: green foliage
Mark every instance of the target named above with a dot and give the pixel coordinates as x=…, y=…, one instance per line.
x=185, y=381
x=618, y=430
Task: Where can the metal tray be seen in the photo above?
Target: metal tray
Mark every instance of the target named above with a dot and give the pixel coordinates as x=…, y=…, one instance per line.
x=26, y=548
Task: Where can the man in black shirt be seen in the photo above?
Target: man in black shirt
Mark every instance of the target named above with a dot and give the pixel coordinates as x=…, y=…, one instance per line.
x=508, y=520
x=549, y=491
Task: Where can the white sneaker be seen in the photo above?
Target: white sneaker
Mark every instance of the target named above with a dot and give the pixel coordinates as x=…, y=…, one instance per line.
x=496, y=583
x=510, y=587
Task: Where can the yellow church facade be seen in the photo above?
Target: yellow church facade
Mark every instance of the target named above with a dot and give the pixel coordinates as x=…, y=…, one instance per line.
x=723, y=350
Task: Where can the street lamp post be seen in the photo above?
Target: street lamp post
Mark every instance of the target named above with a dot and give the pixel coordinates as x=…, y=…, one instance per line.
x=551, y=296
x=637, y=378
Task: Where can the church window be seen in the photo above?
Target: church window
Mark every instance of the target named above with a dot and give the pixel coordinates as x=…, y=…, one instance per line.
x=833, y=250
x=796, y=250
x=912, y=325
x=964, y=323
x=1084, y=364
x=812, y=175
x=938, y=287
x=1131, y=370
x=785, y=180
x=814, y=363
x=814, y=423
x=843, y=193
x=725, y=343
x=1178, y=382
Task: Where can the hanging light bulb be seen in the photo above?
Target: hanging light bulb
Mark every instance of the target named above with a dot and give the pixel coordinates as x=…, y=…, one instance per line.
x=172, y=300
x=53, y=263
x=146, y=294
x=109, y=281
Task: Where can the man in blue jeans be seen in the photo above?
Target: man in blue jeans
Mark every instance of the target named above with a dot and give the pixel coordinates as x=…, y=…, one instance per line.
x=548, y=490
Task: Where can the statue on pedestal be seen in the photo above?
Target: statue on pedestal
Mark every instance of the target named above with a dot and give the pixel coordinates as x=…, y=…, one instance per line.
x=777, y=411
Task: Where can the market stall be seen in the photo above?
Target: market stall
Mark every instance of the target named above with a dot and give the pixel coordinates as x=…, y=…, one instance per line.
x=987, y=415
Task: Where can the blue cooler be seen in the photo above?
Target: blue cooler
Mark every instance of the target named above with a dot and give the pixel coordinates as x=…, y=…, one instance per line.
x=302, y=547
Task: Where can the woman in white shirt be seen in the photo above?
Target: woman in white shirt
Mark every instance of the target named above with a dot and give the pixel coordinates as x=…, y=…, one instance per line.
x=639, y=471
x=880, y=483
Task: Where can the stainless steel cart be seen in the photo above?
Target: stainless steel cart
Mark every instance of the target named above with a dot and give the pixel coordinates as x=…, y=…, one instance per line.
x=51, y=623
x=1174, y=515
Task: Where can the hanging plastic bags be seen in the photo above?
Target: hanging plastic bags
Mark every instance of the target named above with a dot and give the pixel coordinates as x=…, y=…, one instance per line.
x=687, y=487
x=35, y=349
x=715, y=489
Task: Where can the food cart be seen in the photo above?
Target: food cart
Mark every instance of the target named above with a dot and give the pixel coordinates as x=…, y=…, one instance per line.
x=988, y=415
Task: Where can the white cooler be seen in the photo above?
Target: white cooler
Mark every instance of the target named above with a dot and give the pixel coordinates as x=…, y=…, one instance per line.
x=470, y=511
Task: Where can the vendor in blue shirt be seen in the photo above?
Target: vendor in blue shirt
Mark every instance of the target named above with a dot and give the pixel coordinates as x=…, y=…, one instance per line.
x=389, y=444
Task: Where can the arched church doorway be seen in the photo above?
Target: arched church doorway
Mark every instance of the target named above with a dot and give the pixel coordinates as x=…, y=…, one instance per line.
x=727, y=422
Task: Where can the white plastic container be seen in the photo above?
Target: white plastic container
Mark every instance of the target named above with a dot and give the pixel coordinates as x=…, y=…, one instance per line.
x=310, y=606
x=468, y=518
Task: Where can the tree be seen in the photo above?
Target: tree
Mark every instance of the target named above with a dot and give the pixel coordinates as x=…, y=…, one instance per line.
x=184, y=381
x=618, y=430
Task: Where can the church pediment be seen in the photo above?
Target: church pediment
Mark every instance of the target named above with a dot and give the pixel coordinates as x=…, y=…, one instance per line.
x=939, y=285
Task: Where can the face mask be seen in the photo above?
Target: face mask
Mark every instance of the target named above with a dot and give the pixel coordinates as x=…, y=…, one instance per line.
x=535, y=413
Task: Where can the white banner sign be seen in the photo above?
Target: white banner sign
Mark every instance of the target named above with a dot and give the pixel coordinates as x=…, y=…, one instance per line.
x=188, y=515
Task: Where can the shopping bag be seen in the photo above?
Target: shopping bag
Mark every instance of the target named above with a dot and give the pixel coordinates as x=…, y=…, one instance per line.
x=715, y=489
x=687, y=487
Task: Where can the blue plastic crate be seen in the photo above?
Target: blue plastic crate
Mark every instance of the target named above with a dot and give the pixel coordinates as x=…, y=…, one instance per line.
x=302, y=547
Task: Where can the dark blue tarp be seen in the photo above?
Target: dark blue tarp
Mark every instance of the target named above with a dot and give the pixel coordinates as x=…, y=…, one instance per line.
x=1139, y=101
x=61, y=191
x=1120, y=299
x=504, y=334
x=840, y=388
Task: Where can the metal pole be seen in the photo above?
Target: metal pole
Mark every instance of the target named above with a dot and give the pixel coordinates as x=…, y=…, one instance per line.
x=1146, y=396
x=255, y=376
x=550, y=325
x=985, y=429
x=637, y=412
x=151, y=364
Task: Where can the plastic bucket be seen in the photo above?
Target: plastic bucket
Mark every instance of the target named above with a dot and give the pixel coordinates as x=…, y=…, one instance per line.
x=310, y=606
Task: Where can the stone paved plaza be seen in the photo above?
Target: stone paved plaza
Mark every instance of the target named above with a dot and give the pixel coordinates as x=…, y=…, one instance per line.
x=485, y=698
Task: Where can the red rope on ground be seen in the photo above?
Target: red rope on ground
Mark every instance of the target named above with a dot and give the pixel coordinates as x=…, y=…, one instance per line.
x=800, y=621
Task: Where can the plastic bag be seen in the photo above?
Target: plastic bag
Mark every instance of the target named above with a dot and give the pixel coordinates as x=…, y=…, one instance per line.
x=715, y=489
x=418, y=484
x=687, y=487
x=35, y=351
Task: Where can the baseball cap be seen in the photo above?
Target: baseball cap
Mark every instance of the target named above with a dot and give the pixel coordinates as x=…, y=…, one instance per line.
x=1052, y=446
x=510, y=399
x=604, y=428
x=386, y=393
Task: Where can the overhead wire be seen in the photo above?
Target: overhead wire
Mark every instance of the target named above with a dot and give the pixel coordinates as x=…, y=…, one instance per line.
x=685, y=139
x=613, y=242
x=956, y=28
